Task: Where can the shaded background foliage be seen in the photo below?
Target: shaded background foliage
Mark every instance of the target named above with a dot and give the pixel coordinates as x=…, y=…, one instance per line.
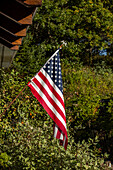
x=85, y=25
x=26, y=138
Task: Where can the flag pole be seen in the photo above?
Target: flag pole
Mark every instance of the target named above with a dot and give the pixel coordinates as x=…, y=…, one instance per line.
x=63, y=43
x=13, y=101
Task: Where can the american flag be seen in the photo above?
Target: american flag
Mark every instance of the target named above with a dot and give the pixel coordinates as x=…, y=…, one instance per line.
x=47, y=87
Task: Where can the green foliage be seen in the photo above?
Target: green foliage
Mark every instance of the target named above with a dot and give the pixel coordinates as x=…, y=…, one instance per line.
x=84, y=88
x=26, y=134
x=86, y=26
x=32, y=147
x=4, y=160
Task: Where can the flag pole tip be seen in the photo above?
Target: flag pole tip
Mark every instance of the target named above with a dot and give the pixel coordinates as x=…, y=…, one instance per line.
x=63, y=43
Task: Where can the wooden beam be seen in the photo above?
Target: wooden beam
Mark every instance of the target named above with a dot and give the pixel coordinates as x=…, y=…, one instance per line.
x=26, y=20
x=14, y=40
x=21, y=33
x=8, y=44
x=15, y=48
x=31, y=2
x=12, y=26
x=17, y=11
x=17, y=42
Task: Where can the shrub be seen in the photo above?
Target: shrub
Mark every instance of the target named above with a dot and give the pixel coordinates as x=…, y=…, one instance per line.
x=32, y=147
x=26, y=136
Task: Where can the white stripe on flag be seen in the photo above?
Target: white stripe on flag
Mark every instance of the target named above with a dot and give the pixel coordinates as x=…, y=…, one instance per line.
x=61, y=136
x=55, y=130
x=50, y=93
x=51, y=82
x=49, y=104
x=64, y=141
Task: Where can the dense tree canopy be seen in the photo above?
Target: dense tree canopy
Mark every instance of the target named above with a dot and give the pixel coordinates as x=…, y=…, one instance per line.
x=87, y=27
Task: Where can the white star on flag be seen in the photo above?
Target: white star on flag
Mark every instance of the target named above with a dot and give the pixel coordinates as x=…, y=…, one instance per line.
x=47, y=87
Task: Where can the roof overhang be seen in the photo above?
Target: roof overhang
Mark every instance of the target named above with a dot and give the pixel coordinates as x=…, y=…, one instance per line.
x=16, y=16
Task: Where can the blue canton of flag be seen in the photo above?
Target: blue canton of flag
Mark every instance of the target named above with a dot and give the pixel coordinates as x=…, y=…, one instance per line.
x=53, y=68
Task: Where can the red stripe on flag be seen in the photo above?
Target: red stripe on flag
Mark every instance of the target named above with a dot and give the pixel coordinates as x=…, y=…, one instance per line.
x=58, y=134
x=49, y=98
x=66, y=143
x=51, y=88
x=58, y=137
x=49, y=111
